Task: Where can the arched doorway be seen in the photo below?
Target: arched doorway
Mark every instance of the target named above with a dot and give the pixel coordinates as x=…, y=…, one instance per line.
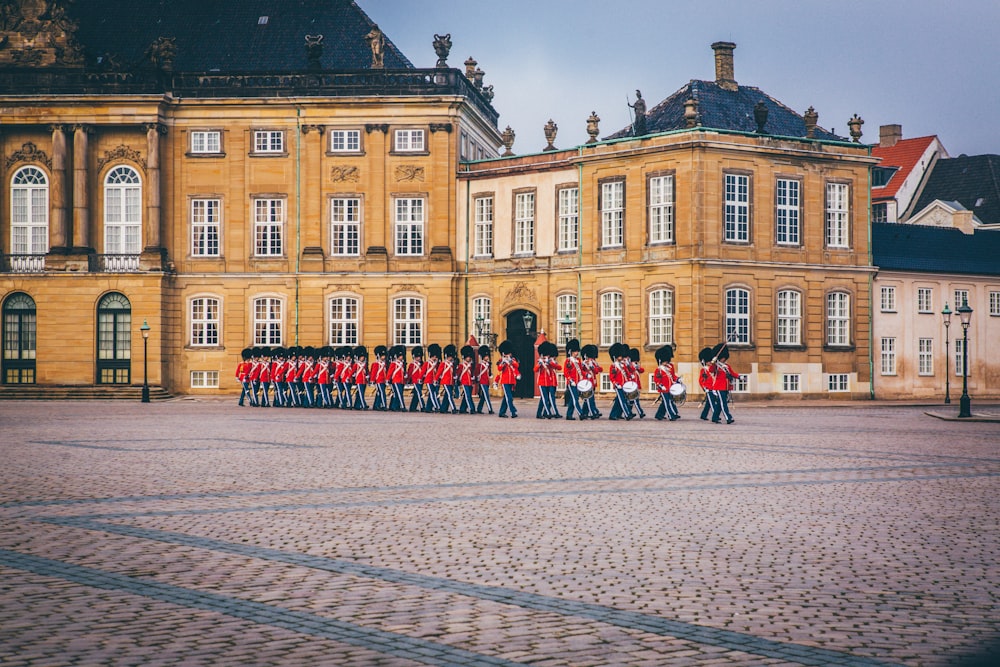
x=19, y=337
x=522, y=337
x=114, y=339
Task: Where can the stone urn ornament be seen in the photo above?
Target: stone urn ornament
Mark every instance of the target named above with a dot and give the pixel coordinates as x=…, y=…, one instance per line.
x=550, y=135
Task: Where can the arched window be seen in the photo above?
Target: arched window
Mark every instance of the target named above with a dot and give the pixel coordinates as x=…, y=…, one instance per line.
x=122, y=212
x=612, y=318
x=19, y=337
x=407, y=321
x=344, y=323
x=114, y=339
x=789, y=322
x=661, y=317
x=29, y=214
x=738, y=315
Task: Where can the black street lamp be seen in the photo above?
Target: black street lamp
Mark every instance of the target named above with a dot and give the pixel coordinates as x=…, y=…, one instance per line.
x=947, y=353
x=528, y=319
x=965, y=313
x=566, y=328
x=483, y=333
x=145, y=366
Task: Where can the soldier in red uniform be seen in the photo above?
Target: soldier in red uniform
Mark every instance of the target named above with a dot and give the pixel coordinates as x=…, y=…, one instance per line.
x=466, y=378
x=545, y=371
x=724, y=375
x=508, y=373
x=592, y=371
x=484, y=367
x=573, y=372
x=377, y=377
x=415, y=373
x=622, y=407
x=664, y=377
x=242, y=375
x=431, y=370
x=445, y=380
x=359, y=377
x=397, y=377
x=635, y=373
x=706, y=380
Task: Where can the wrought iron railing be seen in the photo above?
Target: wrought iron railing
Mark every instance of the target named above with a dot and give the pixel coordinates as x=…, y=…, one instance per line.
x=115, y=263
x=20, y=263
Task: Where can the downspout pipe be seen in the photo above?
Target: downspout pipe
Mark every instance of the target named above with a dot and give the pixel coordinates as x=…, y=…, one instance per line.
x=871, y=293
x=298, y=212
x=579, y=244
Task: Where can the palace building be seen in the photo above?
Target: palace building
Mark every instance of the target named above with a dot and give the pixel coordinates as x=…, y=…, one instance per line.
x=268, y=173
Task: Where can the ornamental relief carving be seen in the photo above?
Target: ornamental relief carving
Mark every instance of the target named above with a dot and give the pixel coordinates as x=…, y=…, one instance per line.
x=37, y=33
x=28, y=153
x=121, y=152
x=520, y=294
x=344, y=174
x=408, y=172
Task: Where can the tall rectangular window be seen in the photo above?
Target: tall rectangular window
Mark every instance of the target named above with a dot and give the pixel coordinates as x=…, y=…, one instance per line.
x=524, y=223
x=345, y=226
x=786, y=211
x=838, y=319
x=268, y=141
x=959, y=360
x=484, y=227
x=661, y=317
x=880, y=212
x=888, y=356
x=569, y=219
x=205, y=227
x=409, y=226
x=888, y=299
x=29, y=212
x=789, y=318
x=345, y=141
x=407, y=323
x=961, y=298
x=737, y=208
x=204, y=321
x=994, y=303
x=344, y=322
x=482, y=317
x=566, y=314
x=269, y=222
x=612, y=214
x=612, y=318
x=925, y=300
x=837, y=215
x=206, y=141
x=925, y=356
x=409, y=141
x=661, y=209
x=267, y=321
x=738, y=316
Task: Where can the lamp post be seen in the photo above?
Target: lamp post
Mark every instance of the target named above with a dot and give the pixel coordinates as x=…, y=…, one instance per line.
x=566, y=328
x=528, y=319
x=145, y=366
x=947, y=353
x=965, y=313
x=483, y=333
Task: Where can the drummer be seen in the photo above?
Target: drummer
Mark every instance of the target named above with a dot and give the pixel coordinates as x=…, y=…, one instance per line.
x=591, y=371
x=622, y=406
x=664, y=377
x=573, y=372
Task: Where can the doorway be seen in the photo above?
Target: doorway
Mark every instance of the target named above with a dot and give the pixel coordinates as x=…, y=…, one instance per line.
x=523, y=339
x=114, y=339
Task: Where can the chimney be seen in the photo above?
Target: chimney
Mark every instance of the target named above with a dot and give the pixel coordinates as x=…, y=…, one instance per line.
x=889, y=135
x=724, y=65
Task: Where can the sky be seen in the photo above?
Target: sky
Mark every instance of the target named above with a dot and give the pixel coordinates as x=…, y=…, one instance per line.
x=932, y=66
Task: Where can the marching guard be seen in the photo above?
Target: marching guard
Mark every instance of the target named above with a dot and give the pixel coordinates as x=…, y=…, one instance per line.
x=664, y=377
x=508, y=373
x=466, y=378
x=545, y=372
x=622, y=407
x=573, y=372
x=592, y=370
x=415, y=373
x=484, y=367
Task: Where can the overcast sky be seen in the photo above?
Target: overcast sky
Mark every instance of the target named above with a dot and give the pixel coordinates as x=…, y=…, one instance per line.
x=932, y=66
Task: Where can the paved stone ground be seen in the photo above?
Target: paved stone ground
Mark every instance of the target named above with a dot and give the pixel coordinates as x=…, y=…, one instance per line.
x=199, y=533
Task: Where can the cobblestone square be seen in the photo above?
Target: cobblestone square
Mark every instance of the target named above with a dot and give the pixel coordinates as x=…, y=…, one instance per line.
x=194, y=532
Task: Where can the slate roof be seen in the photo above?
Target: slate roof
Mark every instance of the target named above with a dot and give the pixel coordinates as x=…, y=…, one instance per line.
x=905, y=155
x=924, y=248
x=971, y=180
x=723, y=109
x=227, y=35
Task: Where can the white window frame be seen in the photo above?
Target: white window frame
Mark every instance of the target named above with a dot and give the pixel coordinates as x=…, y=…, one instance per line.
x=524, y=223
x=205, y=314
x=838, y=319
x=661, y=209
x=791, y=383
x=925, y=300
x=267, y=313
x=736, y=222
x=409, y=140
x=738, y=316
x=407, y=320
x=345, y=141
x=566, y=310
x=837, y=215
x=959, y=345
x=888, y=355
x=613, y=214
x=345, y=319
x=268, y=141
x=836, y=382
x=789, y=317
x=206, y=227
x=345, y=226
x=268, y=226
x=787, y=201
x=483, y=243
x=29, y=212
x=569, y=219
x=888, y=299
x=208, y=142
x=661, y=316
x=123, y=211
x=612, y=318
x=961, y=297
x=482, y=308
x=925, y=356
x=994, y=303
x=410, y=218
x=204, y=379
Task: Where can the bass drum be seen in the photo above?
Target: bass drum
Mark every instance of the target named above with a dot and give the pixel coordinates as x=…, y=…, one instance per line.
x=631, y=390
x=678, y=392
x=586, y=388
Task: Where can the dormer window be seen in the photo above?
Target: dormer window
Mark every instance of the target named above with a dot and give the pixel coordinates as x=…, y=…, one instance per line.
x=262, y=20
x=882, y=175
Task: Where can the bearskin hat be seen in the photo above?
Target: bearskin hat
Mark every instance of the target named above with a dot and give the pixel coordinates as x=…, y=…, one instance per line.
x=450, y=351
x=468, y=352
x=665, y=353
x=633, y=354
x=705, y=355
x=549, y=349
x=247, y=353
x=361, y=351
x=484, y=350
x=380, y=350
x=590, y=351
x=434, y=350
x=506, y=347
x=720, y=351
x=417, y=352
x=572, y=345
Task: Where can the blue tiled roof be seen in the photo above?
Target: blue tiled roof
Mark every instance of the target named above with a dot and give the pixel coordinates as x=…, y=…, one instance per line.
x=229, y=35
x=723, y=109
x=904, y=247
x=971, y=180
